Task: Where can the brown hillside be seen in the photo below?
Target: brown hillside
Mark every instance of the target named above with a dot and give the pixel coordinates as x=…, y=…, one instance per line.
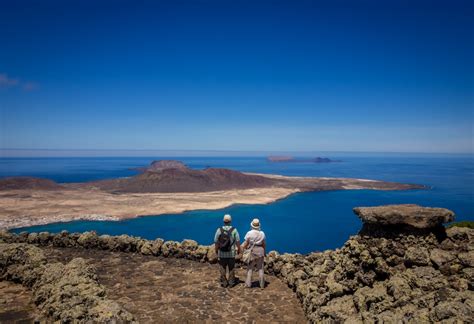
x=16, y=183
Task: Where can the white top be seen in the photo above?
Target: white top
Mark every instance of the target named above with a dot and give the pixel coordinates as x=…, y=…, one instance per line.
x=255, y=237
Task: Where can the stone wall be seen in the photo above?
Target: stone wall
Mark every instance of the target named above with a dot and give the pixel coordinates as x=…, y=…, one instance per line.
x=188, y=249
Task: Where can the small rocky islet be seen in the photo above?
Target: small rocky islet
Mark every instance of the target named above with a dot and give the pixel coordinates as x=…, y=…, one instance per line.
x=403, y=266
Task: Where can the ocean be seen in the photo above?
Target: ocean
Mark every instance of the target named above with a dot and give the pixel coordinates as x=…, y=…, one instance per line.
x=301, y=223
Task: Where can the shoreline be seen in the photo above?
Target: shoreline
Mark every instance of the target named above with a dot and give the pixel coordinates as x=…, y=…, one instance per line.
x=105, y=218
x=117, y=207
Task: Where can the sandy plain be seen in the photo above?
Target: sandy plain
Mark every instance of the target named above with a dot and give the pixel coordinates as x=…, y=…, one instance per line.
x=28, y=207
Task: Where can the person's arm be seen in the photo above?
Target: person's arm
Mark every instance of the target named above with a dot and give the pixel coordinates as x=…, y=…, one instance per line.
x=245, y=244
x=264, y=245
x=237, y=241
x=215, y=240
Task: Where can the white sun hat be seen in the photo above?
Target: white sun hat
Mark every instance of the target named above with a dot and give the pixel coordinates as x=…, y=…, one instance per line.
x=255, y=224
x=227, y=218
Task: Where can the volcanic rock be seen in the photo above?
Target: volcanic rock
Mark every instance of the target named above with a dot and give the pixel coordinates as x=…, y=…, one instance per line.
x=17, y=183
x=182, y=180
x=64, y=293
x=413, y=215
x=157, y=166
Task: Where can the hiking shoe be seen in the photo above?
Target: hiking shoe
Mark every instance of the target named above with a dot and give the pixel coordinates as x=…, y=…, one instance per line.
x=224, y=284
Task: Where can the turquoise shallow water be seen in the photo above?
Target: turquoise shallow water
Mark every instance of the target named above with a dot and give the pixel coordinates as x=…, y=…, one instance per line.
x=300, y=223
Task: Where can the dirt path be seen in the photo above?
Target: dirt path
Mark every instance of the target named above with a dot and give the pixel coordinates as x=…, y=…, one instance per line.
x=164, y=290
x=15, y=304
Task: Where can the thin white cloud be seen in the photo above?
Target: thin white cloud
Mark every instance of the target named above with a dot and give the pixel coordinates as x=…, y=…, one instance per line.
x=8, y=82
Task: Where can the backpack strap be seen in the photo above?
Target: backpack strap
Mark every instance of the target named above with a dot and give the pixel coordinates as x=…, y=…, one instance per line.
x=230, y=230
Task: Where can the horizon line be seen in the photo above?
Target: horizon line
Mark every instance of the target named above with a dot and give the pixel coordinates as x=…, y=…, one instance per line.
x=174, y=151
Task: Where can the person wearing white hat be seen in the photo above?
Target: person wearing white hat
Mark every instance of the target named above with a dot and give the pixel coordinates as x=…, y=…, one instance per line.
x=227, y=244
x=255, y=241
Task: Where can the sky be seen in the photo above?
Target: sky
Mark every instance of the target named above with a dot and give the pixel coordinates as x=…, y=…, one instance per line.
x=381, y=76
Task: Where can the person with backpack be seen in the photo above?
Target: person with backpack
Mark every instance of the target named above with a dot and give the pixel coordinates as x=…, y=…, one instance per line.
x=227, y=245
x=255, y=245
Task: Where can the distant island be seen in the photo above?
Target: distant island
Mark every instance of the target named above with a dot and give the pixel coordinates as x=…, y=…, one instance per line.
x=160, y=165
x=300, y=160
x=163, y=187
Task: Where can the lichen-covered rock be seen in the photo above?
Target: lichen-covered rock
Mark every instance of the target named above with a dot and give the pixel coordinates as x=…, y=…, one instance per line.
x=199, y=253
x=105, y=242
x=460, y=234
x=21, y=263
x=409, y=214
x=123, y=243
x=44, y=238
x=172, y=248
x=152, y=247
x=22, y=237
x=188, y=247
x=417, y=256
x=467, y=258
x=64, y=239
x=211, y=254
x=66, y=293
x=440, y=257
x=6, y=237
x=88, y=240
x=32, y=238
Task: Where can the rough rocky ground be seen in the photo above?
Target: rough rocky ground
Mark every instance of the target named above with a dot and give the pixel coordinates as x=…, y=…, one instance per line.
x=164, y=290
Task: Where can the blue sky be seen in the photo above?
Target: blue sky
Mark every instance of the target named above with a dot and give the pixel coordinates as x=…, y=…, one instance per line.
x=385, y=76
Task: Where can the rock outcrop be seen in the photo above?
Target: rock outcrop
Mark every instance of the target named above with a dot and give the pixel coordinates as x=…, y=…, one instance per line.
x=161, y=165
x=412, y=215
x=67, y=293
x=388, y=273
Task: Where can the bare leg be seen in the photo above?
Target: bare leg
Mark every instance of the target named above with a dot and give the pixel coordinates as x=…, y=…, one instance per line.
x=260, y=273
x=248, y=281
x=261, y=279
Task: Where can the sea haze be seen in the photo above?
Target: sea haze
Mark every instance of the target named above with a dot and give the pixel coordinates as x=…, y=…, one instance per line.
x=300, y=223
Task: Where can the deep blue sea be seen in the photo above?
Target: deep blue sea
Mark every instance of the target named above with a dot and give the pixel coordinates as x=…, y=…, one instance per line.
x=300, y=223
